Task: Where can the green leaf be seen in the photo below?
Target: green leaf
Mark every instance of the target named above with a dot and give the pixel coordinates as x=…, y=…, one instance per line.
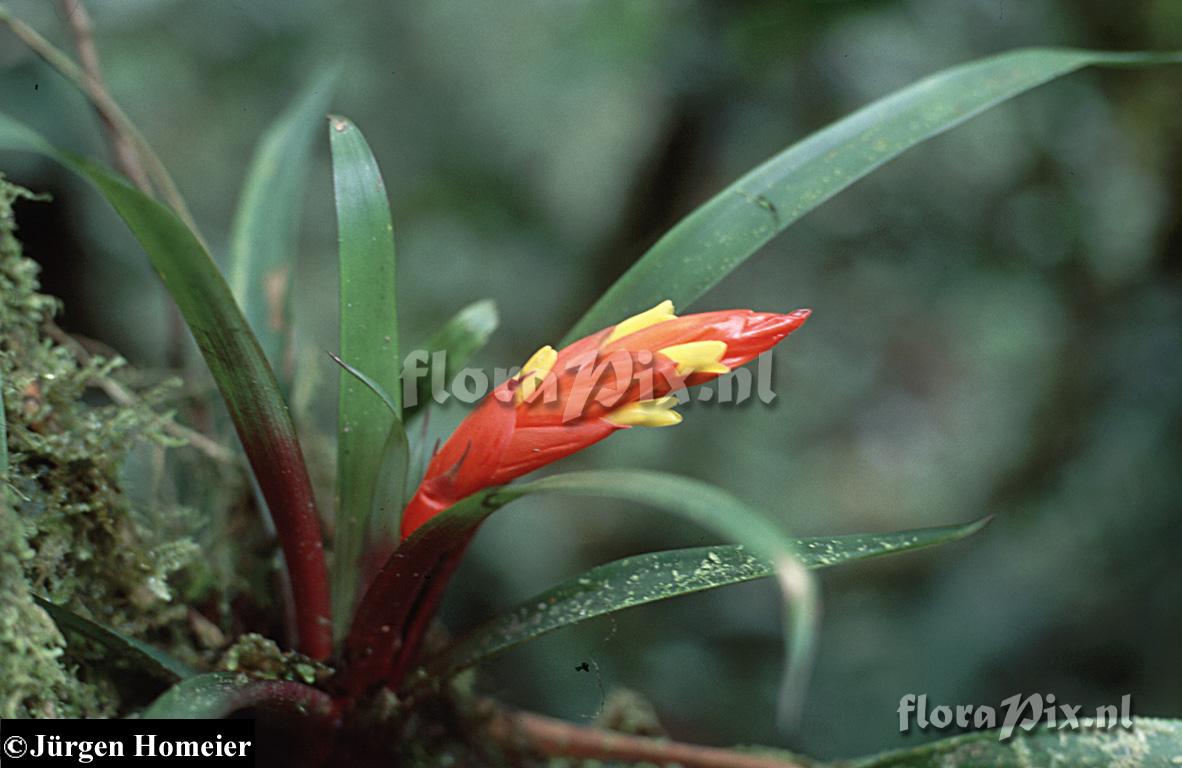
x=452, y=345
x=370, y=383
x=238, y=366
x=266, y=223
x=220, y=694
x=397, y=591
x=716, y=238
x=388, y=497
x=655, y=576
x=120, y=647
x=369, y=341
x=1148, y=744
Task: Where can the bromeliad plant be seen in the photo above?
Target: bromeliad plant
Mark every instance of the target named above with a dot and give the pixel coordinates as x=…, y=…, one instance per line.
x=622, y=366
x=560, y=402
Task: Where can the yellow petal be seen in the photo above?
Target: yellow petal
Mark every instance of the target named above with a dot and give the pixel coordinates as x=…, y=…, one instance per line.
x=697, y=357
x=658, y=314
x=535, y=371
x=646, y=413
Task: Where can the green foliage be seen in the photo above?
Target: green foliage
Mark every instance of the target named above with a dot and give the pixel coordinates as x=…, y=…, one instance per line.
x=693, y=257
x=416, y=566
x=244, y=377
x=117, y=646
x=368, y=430
x=388, y=496
x=716, y=238
x=663, y=575
x=68, y=531
x=266, y=224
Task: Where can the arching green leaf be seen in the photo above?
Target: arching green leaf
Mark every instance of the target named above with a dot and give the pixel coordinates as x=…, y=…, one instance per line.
x=423, y=561
x=712, y=241
x=655, y=576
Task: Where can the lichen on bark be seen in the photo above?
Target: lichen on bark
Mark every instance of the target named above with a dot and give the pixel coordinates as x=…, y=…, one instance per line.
x=68, y=531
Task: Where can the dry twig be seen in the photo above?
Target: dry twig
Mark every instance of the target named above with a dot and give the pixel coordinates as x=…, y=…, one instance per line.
x=109, y=109
x=557, y=738
x=127, y=160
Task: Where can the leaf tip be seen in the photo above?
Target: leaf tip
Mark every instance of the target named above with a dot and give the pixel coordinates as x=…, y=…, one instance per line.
x=977, y=525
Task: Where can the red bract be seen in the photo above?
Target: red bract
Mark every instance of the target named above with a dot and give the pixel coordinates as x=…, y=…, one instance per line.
x=561, y=402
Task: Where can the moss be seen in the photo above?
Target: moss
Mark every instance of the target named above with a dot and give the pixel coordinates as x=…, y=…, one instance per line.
x=69, y=532
x=36, y=682
x=262, y=657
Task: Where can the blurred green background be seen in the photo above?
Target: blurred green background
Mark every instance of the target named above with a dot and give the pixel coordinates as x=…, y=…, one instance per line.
x=997, y=328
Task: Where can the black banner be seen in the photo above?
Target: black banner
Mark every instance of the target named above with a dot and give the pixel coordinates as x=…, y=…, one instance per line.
x=126, y=742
